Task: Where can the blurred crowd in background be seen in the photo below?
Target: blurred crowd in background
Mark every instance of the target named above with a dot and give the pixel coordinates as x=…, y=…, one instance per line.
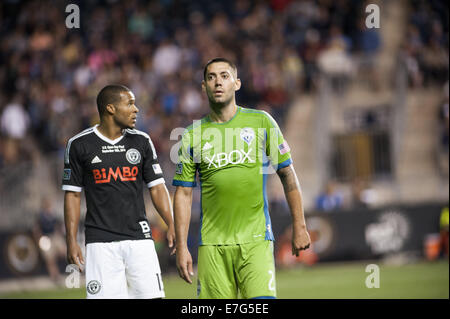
x=50, y=75
x=425, y=46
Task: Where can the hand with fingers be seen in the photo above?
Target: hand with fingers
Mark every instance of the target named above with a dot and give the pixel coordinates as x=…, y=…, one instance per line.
x=300, y=241
x=171, y=239
x=74, y=255
x=184, y=264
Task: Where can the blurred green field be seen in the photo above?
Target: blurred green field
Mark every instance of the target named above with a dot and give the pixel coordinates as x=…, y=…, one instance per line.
x=323, y=281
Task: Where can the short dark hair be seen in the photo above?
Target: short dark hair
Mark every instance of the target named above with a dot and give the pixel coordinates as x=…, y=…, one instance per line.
x=110, y=94
x=233, y=66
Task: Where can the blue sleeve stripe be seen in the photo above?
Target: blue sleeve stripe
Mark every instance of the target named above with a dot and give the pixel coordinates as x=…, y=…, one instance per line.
x=183, y=183
x=284, y=164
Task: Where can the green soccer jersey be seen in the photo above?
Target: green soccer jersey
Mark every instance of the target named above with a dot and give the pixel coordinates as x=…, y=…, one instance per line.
x=233, y=160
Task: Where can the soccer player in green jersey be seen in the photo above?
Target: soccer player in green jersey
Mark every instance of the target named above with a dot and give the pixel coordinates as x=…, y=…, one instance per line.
x=233, y=150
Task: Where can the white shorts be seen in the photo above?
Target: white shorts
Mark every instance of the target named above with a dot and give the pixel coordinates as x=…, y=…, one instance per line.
x=122, y=270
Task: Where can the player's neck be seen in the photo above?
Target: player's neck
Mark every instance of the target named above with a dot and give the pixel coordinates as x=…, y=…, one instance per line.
x=110, y=131
x=221, y=114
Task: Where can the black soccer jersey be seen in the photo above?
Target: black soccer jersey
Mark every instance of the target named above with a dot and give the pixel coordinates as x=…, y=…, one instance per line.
x=112, y=174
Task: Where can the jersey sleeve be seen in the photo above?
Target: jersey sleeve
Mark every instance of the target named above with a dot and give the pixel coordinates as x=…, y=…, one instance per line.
x=73, y=169
x=152, y=172
x=277, y=149
x=185, y=170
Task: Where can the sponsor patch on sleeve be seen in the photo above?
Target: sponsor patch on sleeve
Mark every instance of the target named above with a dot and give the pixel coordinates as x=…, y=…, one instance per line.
x=157, y=169
x=284, y=148
x=179, y=169
x=66, y=174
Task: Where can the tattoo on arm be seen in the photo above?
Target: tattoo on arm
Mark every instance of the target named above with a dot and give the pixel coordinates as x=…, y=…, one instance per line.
x=288, y=179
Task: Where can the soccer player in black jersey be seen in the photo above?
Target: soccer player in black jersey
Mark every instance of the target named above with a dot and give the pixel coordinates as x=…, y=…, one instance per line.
x=112, y=161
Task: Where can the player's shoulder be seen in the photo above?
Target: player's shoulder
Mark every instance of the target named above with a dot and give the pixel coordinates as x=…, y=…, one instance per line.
x=264, y=115
x=79, y=137
x=190, y=129
x=142, y=138
x=75, y=142
x=252, y=112
x=137, y=134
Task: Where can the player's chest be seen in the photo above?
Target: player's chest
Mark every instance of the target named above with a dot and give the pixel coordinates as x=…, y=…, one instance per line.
x=107, y=162
x=237, y=146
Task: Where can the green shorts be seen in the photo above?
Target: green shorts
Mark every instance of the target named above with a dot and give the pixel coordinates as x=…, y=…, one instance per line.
x=224, y=270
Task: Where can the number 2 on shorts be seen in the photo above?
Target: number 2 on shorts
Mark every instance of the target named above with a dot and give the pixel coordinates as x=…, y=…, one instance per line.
x=272, y=280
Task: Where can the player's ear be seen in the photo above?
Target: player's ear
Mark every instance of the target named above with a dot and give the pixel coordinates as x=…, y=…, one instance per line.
x=203, y=86
x=110, y=109
x=237, y=84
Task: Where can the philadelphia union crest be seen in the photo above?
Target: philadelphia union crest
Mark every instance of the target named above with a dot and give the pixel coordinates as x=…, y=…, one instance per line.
x=93, y=287
x=133, y=156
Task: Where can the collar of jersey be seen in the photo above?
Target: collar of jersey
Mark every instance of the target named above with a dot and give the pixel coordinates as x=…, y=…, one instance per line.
x=100, y=135
x=238, y=109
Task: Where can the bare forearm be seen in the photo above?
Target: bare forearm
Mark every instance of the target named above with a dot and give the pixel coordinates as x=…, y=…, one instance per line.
x=294, y=200
x=72, y=203
x=182, y=216
x=161, y=199
x=300, y=235
x=293, y=195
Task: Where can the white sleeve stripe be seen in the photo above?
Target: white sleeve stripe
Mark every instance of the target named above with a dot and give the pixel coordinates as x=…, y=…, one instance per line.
x=153, y=148
x=72, y=188
x=156, y=182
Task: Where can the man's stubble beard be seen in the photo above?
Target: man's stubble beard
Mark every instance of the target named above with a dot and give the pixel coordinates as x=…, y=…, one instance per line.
x=219, y=105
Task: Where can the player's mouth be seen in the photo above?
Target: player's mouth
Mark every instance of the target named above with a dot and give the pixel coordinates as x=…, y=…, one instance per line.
x=218, y=92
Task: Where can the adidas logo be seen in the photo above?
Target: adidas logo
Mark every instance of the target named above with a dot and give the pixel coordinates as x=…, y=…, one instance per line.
x=207, y=146
x=96, y=160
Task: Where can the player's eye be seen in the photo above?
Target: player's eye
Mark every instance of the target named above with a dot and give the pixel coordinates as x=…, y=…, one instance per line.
x=225, y=75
